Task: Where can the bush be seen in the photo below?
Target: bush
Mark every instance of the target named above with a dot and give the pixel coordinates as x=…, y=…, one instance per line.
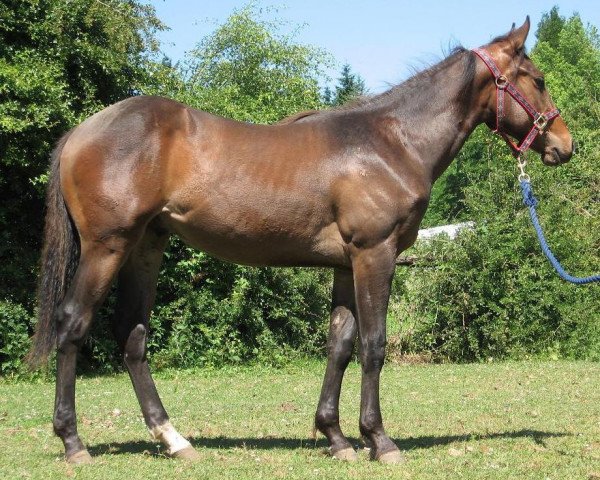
x=491, y=293
x=14, y=335
x=212, y=312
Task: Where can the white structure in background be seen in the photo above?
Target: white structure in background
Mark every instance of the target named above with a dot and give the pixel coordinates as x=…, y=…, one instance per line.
x=450, y=230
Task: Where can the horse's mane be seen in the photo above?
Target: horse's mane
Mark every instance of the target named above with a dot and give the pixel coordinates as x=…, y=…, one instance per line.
x=407, y=87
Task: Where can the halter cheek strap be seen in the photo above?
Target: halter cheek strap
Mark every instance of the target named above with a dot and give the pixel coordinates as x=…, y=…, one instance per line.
x=503, y=86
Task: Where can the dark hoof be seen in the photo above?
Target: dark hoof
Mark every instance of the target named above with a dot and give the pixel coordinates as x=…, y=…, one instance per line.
x=345, y=454
x=82, y=457
x=189, y=454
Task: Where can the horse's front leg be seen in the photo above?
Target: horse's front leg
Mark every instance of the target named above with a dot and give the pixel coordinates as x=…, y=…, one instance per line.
x=342, y=332
x=373, y=272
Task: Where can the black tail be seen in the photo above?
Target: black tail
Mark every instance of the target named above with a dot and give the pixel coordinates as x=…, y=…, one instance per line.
x=60, y=256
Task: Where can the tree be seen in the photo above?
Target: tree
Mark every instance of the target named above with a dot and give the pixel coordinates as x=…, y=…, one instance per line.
x=571, y=56
x=250, y=71
x=350, y=85
x=550, y=26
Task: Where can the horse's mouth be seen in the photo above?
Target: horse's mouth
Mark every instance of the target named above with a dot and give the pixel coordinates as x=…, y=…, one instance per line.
x=553, y=158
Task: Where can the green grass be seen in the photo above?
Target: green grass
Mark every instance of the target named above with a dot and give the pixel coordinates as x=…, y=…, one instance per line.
x=532, y=420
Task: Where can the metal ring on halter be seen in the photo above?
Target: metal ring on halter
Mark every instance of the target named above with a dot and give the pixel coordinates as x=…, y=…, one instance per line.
x=540, y=122
x=523, y=177
x=501, y=82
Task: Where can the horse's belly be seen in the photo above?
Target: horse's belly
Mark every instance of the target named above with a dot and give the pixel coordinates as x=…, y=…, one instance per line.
x=248, y=237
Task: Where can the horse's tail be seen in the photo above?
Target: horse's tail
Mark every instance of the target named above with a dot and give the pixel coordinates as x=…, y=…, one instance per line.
x=60, y=257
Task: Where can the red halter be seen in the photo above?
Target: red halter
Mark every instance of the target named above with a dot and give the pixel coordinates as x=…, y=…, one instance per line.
x=540, y=120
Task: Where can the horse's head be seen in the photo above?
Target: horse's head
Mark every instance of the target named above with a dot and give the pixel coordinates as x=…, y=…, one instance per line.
x=554, y=141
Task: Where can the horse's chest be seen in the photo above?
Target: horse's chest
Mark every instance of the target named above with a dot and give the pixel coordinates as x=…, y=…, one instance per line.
x=370, y=211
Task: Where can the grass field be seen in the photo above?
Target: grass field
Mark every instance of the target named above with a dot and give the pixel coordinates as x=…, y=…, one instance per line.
x=532, y=420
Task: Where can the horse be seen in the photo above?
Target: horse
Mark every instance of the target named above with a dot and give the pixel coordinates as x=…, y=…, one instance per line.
x=344, y=188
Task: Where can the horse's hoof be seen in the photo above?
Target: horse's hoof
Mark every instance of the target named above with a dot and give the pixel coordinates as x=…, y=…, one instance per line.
x=188, y=454
x=82, y=457
x=391, y=458
x=346, y=454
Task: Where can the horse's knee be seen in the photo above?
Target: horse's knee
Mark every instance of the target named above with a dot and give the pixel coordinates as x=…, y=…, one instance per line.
x=373, y=353
x=326, y=417
x=135, y=347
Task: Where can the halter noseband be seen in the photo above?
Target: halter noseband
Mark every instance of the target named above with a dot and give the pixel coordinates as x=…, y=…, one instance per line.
x=540, y=120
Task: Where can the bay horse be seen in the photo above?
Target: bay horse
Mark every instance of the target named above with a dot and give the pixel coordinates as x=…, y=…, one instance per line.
x=344, y=188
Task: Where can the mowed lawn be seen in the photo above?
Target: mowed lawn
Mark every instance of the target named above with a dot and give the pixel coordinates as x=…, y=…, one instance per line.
x=529, y=420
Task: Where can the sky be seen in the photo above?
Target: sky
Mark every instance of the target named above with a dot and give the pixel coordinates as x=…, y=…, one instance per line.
x=380, y=39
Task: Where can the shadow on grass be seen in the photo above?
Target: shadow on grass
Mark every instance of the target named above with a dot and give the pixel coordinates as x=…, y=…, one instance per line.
x=282, y=443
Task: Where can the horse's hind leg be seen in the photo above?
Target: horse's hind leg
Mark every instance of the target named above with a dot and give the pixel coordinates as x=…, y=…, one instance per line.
x=95, y=272
x=342, y=332
x=136, y=291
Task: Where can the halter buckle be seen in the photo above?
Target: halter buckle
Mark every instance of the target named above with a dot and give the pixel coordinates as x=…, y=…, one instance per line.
x=540, y=122
x=501, y=82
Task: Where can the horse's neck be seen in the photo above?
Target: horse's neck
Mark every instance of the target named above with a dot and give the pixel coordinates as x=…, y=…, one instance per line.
x=435, y=119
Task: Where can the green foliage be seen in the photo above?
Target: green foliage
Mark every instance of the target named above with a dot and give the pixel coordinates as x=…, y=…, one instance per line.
x=492, y=293
x=572, y=70
x=247, y=70
x=550, y=26
x=212, y=313
x=15, y=323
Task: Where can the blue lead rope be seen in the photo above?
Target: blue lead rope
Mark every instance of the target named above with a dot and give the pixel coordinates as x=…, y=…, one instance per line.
x=531, y=202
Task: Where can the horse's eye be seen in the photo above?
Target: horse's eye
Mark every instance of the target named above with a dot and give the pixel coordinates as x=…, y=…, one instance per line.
x=540, y=83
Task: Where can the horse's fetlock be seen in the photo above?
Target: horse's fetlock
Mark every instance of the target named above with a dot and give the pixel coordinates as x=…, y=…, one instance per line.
x=62, y=425
x=325, y=418
x=370, y=423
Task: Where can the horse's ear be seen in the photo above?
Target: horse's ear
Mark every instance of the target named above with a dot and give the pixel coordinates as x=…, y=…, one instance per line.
x=518, y=36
